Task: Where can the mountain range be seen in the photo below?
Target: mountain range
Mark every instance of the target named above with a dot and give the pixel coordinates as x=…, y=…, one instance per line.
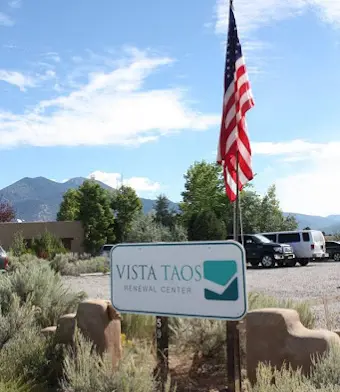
x=38, y=199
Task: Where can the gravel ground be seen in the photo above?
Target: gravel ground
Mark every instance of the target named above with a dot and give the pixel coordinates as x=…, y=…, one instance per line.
x=316, y=282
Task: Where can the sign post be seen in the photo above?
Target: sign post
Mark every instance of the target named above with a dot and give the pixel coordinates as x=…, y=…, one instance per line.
x=205, y=279
x=162, y=345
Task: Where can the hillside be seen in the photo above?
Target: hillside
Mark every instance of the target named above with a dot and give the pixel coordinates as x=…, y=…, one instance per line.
x=38, y=199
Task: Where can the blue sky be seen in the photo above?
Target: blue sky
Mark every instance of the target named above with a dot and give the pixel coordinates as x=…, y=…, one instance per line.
x=130, y=90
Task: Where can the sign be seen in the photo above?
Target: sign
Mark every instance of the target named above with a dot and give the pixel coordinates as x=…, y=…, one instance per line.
x=181, y=279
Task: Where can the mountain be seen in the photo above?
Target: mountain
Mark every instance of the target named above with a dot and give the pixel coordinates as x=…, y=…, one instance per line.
x=38, y=199
x=329, y=224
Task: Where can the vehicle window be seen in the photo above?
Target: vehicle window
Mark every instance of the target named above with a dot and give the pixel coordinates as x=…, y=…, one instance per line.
x=271, y=237
x=262, y=238
x=289, y=237
x=107, y=247
x=305, y=237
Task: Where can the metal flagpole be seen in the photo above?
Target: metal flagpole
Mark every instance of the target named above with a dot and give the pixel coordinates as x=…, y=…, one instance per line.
x=233, y=334
x=233, y=337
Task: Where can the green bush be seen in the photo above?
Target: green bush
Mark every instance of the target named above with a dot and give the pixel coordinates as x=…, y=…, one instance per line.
x=24, y=357
x=38, y=284
x=46, y=245
x=85, y=371
x=326, y=368
x=73, y=265
x=14, y=386
x=27, y=258
x=18, y=246
x=136, y=326
x=324, y=376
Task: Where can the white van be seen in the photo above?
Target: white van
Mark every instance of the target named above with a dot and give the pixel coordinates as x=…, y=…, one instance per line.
x=307, y=244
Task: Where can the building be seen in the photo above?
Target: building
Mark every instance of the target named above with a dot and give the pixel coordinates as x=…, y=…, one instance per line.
x=71, y=233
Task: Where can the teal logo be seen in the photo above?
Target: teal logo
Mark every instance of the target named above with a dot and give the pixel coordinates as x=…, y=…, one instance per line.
x=221, y=280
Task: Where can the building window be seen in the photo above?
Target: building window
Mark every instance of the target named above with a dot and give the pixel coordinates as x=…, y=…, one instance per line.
x=67, y=242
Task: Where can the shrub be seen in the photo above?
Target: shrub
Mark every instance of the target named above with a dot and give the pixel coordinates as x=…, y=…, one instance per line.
x=38, y=284
x=70, y=264
x=47, y=245
x=325, y=368
x=260, y=301
x=18, y=246
x=85, y=371
x=27, y=258
x=16, y=318
x=286, y=380
x=324, y=376
x=14, y=386
x=24, y=357
x=136, y=326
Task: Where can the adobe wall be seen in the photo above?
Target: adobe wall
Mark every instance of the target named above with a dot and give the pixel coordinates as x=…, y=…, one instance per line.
x=68, y=229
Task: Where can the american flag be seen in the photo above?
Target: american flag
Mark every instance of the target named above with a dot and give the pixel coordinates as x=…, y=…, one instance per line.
x=234, y=143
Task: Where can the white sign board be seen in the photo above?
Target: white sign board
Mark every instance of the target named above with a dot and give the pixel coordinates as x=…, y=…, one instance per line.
x=183, y=279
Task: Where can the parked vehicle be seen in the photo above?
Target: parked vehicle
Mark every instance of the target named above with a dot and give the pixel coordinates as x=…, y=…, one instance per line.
x=307, y=245
x=260, y=250
x=3, y=260
x=333, y=249
x=105, y=250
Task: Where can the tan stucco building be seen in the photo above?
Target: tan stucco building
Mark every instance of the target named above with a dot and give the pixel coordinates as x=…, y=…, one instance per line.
x=71, y=233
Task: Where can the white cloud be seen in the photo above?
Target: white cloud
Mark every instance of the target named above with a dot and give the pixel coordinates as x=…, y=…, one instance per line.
x=313, y=186
x=54, y=56
x=15, y=3
x=114, y=180
x=5, y=20
x=23, y=81
x=17, y=79
x=111, y=108
x=252, y=15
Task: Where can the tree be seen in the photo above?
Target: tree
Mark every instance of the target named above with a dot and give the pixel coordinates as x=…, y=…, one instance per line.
x=271, y=217
x=96, y=215
x=204, y=226
x=69, y=207
x=126, y=206
x=204, y=191
x=90, y=204
x=7, y=212
x=163, y=214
